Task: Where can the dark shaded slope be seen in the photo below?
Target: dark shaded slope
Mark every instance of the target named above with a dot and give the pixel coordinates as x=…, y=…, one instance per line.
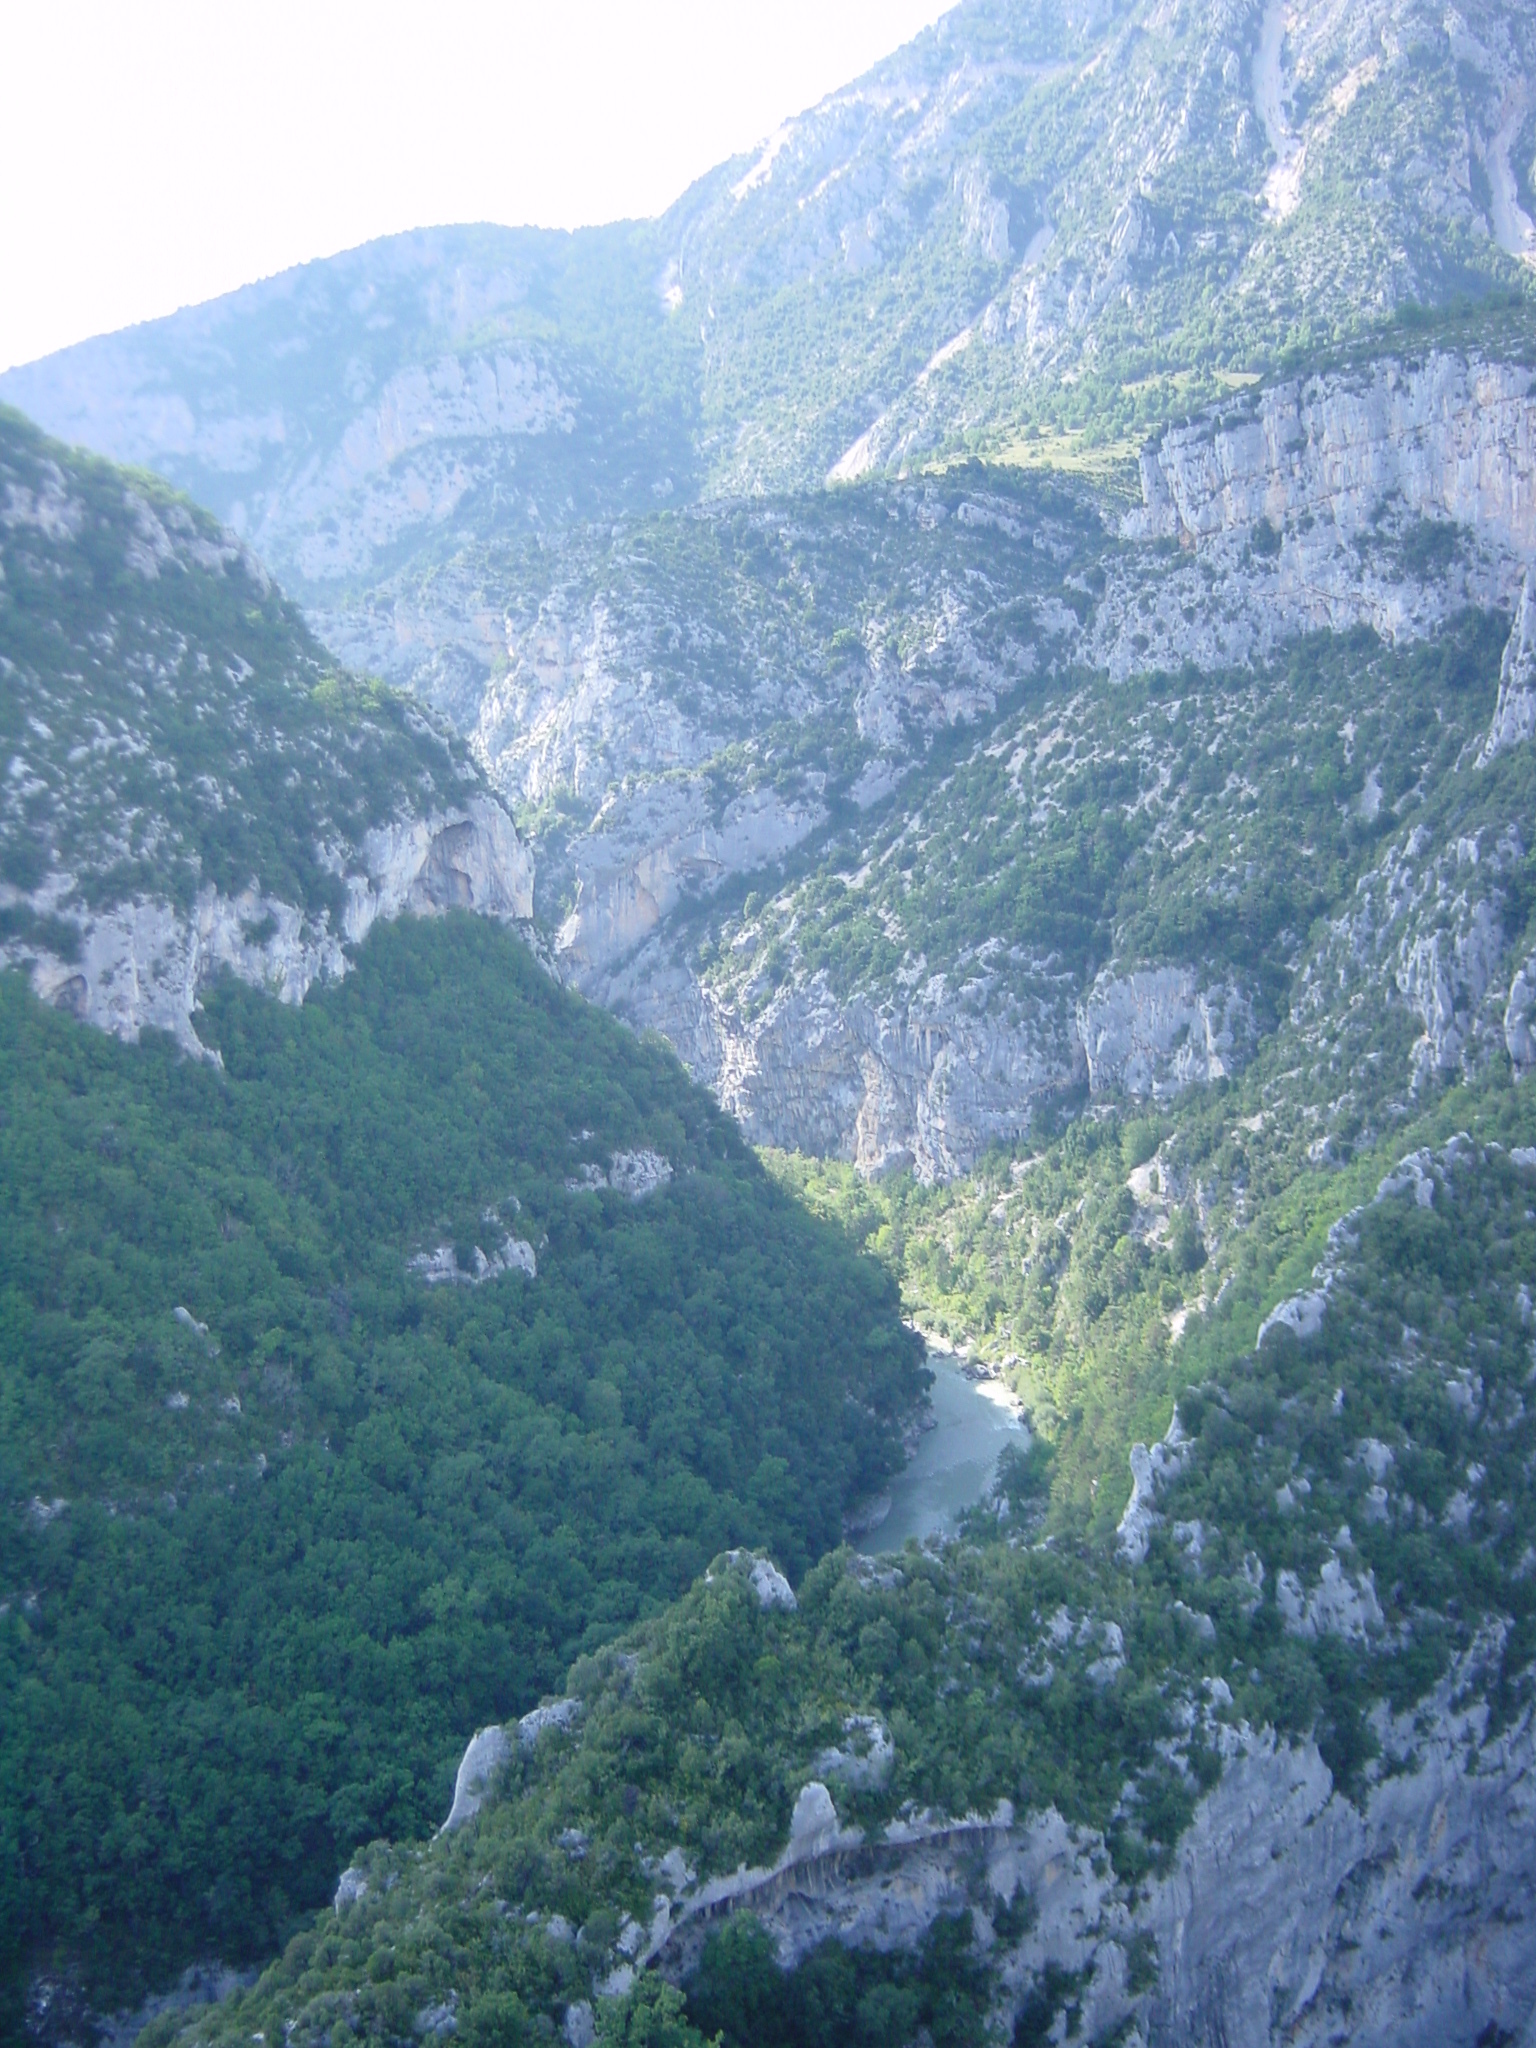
x=283, y=1553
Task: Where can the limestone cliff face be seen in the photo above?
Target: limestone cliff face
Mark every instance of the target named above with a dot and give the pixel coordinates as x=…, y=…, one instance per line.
x=143, y=964
x=1454, y=438
x=1389, y=497
x=1514, y=717
x=341, y=416
x=925, y=1082
x=646, y=850
x=1155, y=1031
x=1291, y=1912
x=1429, y=929
x=435, y=432
x=929, y=1077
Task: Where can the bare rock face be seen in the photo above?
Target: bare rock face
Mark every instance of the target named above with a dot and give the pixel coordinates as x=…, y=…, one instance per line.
x=925, y=1082
x=484, y=1757
x=472, y=860
x=560, y=1714
x=428, y=437
x=647, y=850
x=1454, y=437
x=1427, y=928
x=1296, y=1914
x=1151, y=1470
x=1390, y=497
x=1514, y=717
x=1291, y=1914
x=768, y=1583
x=1156, y=1031
x=144, y=964
x=865, y=1759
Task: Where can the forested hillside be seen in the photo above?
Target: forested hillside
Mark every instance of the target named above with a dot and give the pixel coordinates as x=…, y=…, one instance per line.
x=999, y=637
x=285, y=1520
x=1017, y=1730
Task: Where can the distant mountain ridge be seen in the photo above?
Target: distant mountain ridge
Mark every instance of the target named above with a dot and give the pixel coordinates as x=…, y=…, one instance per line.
x=1053, y=216
x=1003, y=626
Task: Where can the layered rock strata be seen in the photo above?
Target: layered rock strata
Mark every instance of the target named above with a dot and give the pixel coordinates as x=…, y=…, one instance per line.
x=1390, y=497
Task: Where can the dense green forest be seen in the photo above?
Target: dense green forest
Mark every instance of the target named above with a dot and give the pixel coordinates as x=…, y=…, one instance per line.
x=282, y=1523
x=1381, y=1461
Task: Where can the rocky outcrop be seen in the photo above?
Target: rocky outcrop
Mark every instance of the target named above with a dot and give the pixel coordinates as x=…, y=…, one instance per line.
x=1514, y=716
x=1520, y=1019
x=487, y=1752
x=638, y=1174
x=1156, y=1031
x=762, y=1575
x=927, y=1083
x=1151, y=1470
x=1389, y=497
x=1340, y=1604
x=143, y=965
x=1302, y=1315
x=561, y=1714
x=440, y=1267
x=1291, y=1913
x=1427, y=929
x=471, y=859
x=645, y=852
x=864, y=1760
x=433, y=434
x=1451, y=438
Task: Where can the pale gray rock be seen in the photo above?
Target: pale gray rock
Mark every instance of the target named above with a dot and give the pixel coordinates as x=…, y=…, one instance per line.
x=921, y=1079
x=865, y=1761
x=1338, y=1605
x=1427, y=929
x=1155, y=1031
x=1514, y=716
x=562, y=1714
x=1454, y=436
x=203, y=1984
x=638, y=1174
x=351, y=1886
x=1334, y=467
x=1520, y=1018
x=144, y=964
x=1413, y=1174
x=579, y=2029
x=440, y=1267
x=644, y=852
x=484, y=1757
x=762, y=1575
x=675, y=1870
x=813, y=1824
x=1291, y=1914
x=1151, y=1470
x=1302, y=1315
x=770, y=1585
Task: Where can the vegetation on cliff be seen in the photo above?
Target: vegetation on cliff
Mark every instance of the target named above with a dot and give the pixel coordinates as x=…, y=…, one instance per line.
x=282, y=1522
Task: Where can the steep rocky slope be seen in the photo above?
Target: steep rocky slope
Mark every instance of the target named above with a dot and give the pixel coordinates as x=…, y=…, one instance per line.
x=1266, y=1777
x=1059, y=217
x=690, y=706
x=1006, y=626
x=340, y=416
x=191, y=784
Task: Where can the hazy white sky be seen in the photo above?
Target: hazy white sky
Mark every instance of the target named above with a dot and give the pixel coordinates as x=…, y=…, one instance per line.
x=157, y=152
